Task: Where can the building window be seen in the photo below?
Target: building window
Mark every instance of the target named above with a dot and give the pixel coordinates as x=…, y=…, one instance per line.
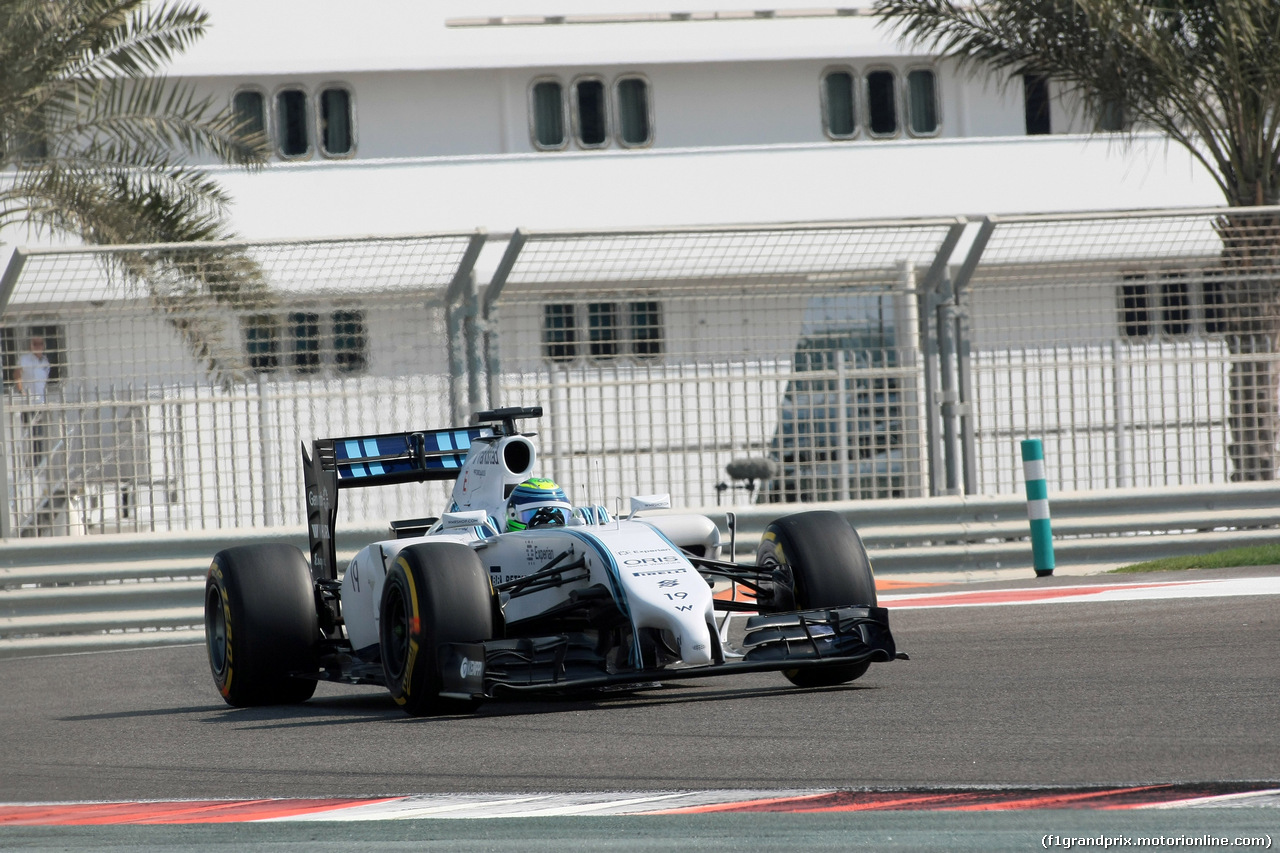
x=1215, y=303
x=559, y=332
x=250, y=109
x=547, y=109
x=613, y=330
x=1175, y=305
x=591, y=113
x=291, y=125
x=839, y=112
x=922, y=102
x=882, y=104
x=262, y=343
x=1135, y=307
x=602, y=330
x=646, y=329
x=1160, y=305
x=349, y=347
x=1035, y=92
x=306, y=342
x=292, y=138
x=1112, y=116
x=16, y=340
x=633, y=112
x=337, y=127
x=9, y=356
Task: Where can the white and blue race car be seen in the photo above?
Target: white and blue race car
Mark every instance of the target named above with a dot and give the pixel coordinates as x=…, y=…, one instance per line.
x=516, y=590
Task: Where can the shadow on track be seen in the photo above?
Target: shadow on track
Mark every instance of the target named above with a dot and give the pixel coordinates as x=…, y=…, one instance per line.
x=355, y=708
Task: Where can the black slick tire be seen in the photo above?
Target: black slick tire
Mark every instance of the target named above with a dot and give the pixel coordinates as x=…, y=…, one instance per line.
x=260, y=625
x=818, y=561
x=436, y=592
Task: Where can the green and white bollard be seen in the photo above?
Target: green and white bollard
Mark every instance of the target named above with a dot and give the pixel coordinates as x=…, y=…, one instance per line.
x=1038, y=506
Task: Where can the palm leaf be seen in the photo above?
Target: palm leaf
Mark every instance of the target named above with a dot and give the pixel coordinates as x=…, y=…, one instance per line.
x=103, y=147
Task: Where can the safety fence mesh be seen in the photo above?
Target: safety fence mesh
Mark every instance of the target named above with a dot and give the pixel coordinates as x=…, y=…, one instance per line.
x=180, y=381
x=1140, y=347
x=798, y=362
x=663, y=358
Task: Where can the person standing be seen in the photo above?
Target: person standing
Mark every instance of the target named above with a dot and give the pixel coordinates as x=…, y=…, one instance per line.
x=33, y=378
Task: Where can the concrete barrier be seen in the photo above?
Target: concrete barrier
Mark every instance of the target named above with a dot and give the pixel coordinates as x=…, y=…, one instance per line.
x=126, y=590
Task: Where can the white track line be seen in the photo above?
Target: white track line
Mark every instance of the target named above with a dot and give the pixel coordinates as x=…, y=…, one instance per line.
x=1086, y=593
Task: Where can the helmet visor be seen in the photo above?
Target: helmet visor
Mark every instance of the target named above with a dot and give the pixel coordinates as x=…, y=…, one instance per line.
x=552, y=513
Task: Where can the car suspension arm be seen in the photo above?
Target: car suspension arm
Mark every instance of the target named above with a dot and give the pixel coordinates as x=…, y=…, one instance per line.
x=549, y=576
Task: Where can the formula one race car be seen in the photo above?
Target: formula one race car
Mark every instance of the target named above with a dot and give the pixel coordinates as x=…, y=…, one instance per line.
x=515, y=589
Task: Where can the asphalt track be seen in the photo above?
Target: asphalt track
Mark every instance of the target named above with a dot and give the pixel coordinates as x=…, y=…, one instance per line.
x=1056, y=694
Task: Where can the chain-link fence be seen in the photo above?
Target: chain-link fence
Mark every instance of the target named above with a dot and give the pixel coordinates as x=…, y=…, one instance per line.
x=662, y=357
x=1141, y=347
x=161, y=388
x=722, y=365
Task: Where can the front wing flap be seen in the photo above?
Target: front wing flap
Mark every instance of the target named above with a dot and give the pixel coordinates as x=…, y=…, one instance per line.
x=776, y=641
x=861, y=632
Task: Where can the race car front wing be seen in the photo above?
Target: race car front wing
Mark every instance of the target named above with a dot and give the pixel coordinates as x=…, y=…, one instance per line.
x=775, y=641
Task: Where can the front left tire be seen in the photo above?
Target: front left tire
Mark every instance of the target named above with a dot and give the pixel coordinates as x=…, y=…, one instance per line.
x=817, y=561
x=435, y=593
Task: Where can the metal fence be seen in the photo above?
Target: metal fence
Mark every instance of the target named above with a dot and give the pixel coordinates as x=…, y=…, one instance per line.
x=664, y=356
x=181, y=379
x=1141, y=347
x=795, y=362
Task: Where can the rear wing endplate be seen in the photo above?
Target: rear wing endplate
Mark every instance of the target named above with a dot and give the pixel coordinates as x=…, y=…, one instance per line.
x=373, y=460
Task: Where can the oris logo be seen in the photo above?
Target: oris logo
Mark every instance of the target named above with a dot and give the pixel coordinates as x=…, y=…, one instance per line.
x=651, y=561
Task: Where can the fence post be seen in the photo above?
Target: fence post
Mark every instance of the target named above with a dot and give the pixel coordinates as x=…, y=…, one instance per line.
x=453, y=333
x=11, y=502
x=927, y=305
x=266, y=432
x=949, y=398
x=1038, y=506
x=488, y=314
x=843, y=455
x=471, y=337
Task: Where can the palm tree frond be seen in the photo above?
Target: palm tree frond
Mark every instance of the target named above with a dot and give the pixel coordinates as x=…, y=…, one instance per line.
x=104, y=147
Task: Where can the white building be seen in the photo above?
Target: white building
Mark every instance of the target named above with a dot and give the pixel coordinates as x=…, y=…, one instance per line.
x=403, y=117
x=715, y=114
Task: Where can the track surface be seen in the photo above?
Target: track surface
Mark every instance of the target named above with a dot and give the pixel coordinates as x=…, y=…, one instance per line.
x=1080, y=694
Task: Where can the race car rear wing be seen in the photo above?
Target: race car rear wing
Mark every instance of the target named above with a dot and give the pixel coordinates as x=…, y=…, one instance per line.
x=373, y=460
x=381, y=460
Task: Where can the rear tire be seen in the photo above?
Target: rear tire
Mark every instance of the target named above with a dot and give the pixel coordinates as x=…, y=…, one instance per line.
x=818, y=561
x=261, y=626
x=437, y=592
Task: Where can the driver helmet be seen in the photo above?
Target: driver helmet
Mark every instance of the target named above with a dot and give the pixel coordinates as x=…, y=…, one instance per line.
x=538, y=502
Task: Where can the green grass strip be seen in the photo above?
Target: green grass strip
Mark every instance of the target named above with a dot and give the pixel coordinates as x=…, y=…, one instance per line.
x=1257, y=555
